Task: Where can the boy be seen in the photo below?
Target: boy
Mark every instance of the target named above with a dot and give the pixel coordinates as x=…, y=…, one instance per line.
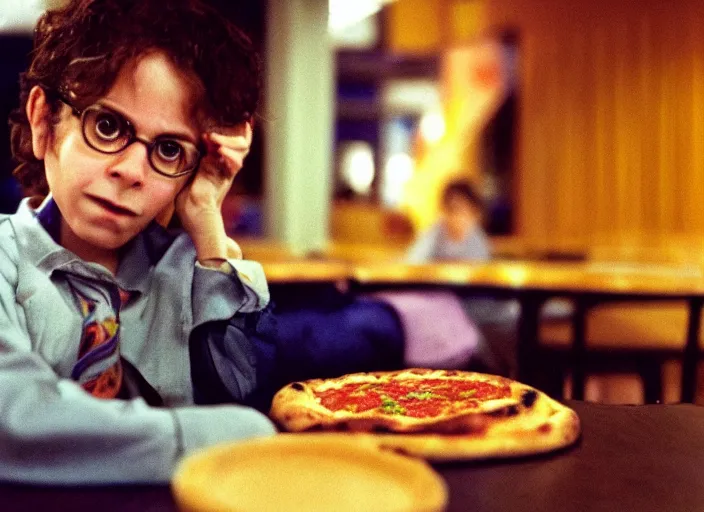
x=132, y=112
x=458, y=235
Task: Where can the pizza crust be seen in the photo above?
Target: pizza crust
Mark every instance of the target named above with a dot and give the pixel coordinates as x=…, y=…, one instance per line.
x=528, y=422
x=560, y=430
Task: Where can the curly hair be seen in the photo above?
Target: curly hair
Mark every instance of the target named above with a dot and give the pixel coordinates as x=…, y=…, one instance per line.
x=80, y=49
x=463, y=189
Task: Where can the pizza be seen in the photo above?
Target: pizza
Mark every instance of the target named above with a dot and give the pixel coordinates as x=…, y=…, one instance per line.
x=436, y=414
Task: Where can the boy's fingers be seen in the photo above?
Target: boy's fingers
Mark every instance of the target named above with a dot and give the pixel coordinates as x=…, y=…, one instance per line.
x=234, y=251
x=241, y=135
x=234, y=158
x=239, y=143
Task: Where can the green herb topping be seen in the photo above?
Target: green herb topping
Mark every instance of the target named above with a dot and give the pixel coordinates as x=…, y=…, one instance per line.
x=391, y=406
x=420, y=395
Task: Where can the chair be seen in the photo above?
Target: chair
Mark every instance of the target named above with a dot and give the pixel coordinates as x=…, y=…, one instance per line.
x=620, y=337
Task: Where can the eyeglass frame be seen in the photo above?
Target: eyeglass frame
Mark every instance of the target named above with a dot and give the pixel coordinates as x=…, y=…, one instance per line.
x=150, y=145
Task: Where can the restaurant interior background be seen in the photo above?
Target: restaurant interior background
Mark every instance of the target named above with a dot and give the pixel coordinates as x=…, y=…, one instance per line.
x=580, y=121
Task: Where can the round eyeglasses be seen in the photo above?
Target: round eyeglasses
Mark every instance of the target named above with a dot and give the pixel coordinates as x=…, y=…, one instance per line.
x=110, y=132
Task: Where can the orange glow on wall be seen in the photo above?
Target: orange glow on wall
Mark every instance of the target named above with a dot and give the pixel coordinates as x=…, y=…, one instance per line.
x=611, y=146
x=473, y=90
x=415, y=26
x=467, y=20
x=430, y=26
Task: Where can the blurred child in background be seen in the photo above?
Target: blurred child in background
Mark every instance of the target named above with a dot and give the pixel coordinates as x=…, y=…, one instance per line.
x=458, y=234
x=456, y=237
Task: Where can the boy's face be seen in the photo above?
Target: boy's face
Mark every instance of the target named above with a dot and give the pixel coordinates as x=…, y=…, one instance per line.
x=107, y=199
x=459, y=216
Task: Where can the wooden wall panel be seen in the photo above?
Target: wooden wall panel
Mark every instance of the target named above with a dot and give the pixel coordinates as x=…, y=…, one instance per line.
x=424, y=27
x=415, y=26
x=612, y=121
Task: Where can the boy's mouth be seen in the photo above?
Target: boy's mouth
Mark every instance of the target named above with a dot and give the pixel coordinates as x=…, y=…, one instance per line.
x=112, y=207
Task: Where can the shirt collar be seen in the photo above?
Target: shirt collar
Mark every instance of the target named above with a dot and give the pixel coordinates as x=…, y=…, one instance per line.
x=38, y=231
x=143, y=252
x=49, y=217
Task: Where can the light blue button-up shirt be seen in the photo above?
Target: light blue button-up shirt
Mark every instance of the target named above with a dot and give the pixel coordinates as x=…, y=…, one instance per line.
x=51, y=430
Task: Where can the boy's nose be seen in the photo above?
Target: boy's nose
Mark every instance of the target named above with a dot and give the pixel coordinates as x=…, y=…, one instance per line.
x=131, y=164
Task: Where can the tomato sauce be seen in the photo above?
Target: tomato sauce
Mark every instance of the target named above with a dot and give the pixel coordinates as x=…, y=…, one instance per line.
x=418, y=399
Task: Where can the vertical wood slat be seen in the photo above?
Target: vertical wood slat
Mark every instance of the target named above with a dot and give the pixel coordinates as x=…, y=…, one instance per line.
x=567, y=135
x=612, y=121
x=602, y=139
x=696, y=185
x=666, y=167
x=621, y=95
x=644, y=63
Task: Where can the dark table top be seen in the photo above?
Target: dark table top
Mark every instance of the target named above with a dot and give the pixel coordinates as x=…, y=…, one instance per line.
x=644, y=458
x=630, y=458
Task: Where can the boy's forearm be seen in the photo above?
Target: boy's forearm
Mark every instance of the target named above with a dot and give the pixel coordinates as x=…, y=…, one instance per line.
x=212, y=244
x=54, y=413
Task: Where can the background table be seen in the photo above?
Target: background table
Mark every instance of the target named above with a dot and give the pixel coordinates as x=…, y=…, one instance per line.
x=534, y=283
x=306, y=271
x=644, y=457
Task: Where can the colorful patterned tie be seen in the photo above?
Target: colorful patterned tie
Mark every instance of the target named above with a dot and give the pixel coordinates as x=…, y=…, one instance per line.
x=99, y=368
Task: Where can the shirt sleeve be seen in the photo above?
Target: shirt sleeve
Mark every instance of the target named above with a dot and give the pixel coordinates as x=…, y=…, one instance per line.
x=424, y=247
x=228, y=304
x=53, y=432
x=228, y=362
x=218, y=295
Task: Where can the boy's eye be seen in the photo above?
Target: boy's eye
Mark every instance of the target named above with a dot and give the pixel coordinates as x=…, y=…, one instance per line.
x=169, y=150
x=107, y=126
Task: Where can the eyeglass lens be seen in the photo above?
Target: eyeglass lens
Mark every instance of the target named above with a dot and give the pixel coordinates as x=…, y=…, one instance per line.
x=107, y=131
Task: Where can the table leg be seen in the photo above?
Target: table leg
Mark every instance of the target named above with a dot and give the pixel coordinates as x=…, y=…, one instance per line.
x=579, y=348
x=690, y=357
x=528, y=324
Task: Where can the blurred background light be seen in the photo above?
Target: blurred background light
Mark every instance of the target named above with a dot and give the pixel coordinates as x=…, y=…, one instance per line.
x=411, y=95
x=397, y=171
x=344, y=13
x=432, y=126
x=20, y=16
x=357, y=166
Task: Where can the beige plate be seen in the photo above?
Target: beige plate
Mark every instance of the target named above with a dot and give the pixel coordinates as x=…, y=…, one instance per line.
x=306, y=472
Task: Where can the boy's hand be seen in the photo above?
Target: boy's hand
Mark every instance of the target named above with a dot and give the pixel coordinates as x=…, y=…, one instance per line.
x=199, y=204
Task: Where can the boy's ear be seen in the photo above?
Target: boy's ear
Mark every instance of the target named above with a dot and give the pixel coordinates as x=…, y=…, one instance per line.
x=38, y=115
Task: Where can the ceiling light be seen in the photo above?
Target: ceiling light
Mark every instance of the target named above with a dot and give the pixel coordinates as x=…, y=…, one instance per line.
x=344, y=13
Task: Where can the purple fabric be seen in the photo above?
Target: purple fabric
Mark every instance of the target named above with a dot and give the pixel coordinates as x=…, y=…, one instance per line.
x=438, y=332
